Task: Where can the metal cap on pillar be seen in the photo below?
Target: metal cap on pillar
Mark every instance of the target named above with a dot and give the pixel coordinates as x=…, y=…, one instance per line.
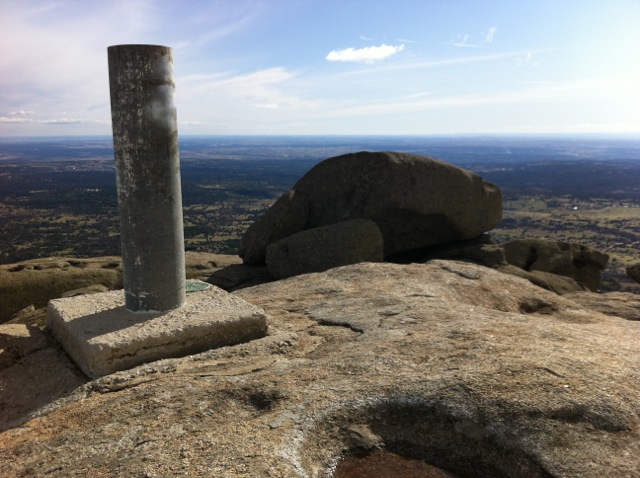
x=145, y=139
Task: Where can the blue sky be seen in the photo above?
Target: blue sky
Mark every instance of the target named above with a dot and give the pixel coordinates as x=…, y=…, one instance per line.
x=415, y=67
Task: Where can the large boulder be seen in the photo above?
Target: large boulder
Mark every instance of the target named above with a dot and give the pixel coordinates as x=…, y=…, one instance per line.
x=416, y=201
x=478, y=372
x=322, y=248
x=288, y=215
x=577, y=261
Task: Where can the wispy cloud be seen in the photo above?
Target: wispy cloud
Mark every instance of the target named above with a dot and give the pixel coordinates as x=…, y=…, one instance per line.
x=524, y=59
x=530, y=95
x=20, y=113
x=362, y=37
x=62, y=121
x=240, y=100
x=463, y=42
x=53, y=54
x=223, y=20
x=364, y=55
x=418, y=64
x=490, y=34
x=14, y=120
x=51, y=121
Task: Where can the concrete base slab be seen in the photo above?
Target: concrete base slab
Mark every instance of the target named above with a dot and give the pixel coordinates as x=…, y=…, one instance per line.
x=102, y=336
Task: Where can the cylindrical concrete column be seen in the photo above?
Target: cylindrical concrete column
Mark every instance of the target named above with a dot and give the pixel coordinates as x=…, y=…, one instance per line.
x=145, y=139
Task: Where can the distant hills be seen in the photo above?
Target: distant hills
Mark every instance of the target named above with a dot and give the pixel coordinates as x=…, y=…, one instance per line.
x=58, y=197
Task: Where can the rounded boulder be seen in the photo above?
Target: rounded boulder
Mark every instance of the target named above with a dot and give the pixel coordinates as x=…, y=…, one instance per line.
x=323, y=248
x=415, y=201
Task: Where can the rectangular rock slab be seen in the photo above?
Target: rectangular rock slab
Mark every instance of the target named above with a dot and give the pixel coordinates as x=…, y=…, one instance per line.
x=103, y=337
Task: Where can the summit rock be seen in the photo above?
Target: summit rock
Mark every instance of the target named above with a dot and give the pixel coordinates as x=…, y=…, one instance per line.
x=415, y=201
x=477, y=372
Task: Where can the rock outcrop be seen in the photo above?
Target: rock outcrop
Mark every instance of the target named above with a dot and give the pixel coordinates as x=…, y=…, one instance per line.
x=469, y=366
x=322, y=248
x=618, y=304
x=554, y=282
x=633, y=271
x=414, y=200
x=423, y=209
x=36, y=282
x=556, y=266
x=577, y=261
x=479, y=373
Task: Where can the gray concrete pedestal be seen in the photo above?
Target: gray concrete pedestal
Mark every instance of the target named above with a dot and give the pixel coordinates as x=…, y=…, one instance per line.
x=103, y=337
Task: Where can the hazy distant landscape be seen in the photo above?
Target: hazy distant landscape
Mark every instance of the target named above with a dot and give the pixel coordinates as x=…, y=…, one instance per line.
x=58, y=196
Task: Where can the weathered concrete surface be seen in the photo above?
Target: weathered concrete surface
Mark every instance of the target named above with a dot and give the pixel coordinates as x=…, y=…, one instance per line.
x=145, y=144
x=482, y=373
x=103, y=336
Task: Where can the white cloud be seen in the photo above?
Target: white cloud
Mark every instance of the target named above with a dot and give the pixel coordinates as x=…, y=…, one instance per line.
x=520, y=61
x=20, y=119
x=364, y=55
x=266, y=89
x=14, y=119
x=241, y=102
x=20, y=113
x=463, y=41
x=490, y=34
x=53, y=55
x=409, y=65
x=57, y=121
x=362, y=37
x=62, y=121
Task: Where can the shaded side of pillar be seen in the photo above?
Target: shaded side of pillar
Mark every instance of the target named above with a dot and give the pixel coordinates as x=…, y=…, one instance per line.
x=145, y=138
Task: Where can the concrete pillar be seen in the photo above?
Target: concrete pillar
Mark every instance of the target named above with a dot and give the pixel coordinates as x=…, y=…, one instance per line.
x=145, y=139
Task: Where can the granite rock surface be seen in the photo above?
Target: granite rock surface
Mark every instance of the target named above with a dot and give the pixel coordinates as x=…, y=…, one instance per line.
x=325, y=247
x=577, y=261
x=477, y=372
x=416, y=201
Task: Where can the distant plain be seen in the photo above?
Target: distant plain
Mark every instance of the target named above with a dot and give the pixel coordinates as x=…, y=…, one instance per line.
x=58, y=195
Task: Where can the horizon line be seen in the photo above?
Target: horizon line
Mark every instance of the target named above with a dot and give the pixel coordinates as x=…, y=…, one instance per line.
x=360, y=135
